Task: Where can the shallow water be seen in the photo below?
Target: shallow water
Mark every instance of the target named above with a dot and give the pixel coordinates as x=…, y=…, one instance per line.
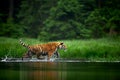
x=60, y=70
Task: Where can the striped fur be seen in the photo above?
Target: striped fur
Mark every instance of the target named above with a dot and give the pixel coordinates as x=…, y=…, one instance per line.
x=23, y=44
x=47, y=49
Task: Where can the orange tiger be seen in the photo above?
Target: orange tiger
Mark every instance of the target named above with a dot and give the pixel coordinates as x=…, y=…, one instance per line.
x=48, y=49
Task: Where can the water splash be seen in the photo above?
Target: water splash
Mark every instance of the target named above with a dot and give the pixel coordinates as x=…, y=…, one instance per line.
x=5, y=59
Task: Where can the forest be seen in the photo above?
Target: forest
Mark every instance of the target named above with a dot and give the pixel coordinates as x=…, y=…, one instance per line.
x=89, y=28
x=60, y=19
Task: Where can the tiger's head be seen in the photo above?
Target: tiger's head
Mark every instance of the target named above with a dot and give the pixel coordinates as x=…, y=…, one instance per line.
x=62, y=46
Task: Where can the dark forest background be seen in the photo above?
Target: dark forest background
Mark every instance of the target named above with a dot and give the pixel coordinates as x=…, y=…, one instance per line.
x=59, y=19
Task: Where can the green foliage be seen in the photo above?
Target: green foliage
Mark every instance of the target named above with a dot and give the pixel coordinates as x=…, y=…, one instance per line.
x=96, y=27
x=63, y=19
x=99, y=49
x=9, y=47
x=12, y=48
x=10, y=29
x=104, y=20
x=32, y=14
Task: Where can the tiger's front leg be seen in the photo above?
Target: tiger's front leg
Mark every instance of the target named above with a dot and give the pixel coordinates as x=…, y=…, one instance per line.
x=49, y=55
x=57, y=54
x=38, y=55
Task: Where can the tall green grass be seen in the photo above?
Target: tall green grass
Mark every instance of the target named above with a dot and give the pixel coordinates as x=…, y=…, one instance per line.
x=99, y=49
x=12, y=48
x=93, y=49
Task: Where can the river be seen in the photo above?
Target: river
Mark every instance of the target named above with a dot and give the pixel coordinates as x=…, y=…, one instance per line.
x=60, y=70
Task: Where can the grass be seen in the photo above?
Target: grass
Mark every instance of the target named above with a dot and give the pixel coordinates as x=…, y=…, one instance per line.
x=93, y=49
x=12, y=48
x=100, y=49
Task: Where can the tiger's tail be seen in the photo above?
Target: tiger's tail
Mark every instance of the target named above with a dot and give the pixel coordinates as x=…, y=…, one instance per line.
x=23, y=44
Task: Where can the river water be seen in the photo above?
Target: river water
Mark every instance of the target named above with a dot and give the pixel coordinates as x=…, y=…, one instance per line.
x=60, y=70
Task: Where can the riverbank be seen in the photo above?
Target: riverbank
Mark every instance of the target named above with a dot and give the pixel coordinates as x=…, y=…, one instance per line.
x=105, y=49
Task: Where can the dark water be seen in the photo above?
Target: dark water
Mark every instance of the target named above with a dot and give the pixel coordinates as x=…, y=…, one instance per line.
x=59, y=71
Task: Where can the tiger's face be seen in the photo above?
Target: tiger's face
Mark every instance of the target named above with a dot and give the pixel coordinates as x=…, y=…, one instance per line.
x=62, y=46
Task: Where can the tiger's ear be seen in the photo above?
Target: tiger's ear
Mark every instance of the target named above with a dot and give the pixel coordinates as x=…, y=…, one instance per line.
x=61, y=43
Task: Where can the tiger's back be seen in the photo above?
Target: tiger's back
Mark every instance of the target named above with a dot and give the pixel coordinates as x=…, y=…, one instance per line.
x=47, y=49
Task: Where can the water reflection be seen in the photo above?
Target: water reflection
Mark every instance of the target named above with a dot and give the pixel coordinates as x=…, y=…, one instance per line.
x=42, y=71
x=59, y=71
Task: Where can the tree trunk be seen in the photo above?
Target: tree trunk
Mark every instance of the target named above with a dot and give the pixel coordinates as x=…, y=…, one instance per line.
x=99, y=3
x=112, y=32
x=11, y=6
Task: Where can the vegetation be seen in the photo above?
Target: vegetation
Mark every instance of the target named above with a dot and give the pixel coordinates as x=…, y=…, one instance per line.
x=90, y=28
x=75, y=19
x=11, y=47
x=93, y=49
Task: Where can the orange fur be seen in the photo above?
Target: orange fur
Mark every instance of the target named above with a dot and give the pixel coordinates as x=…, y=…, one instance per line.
x=48, y=49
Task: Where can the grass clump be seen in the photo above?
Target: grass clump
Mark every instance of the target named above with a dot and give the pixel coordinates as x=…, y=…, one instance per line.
x=93, y=49
x=106, y=49
x=12, y=48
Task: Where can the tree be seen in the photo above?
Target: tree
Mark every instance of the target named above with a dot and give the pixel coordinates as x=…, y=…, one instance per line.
x=66, y=20
x=10, y=29
x=32, y=15
x=7, y=22
x=104, y=20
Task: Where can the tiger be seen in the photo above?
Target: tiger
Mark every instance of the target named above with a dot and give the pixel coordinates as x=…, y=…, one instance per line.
x=47, y=49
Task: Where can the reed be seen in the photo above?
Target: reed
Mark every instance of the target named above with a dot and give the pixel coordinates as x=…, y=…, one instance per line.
x=12, y=48
x=99, y=49
x=93, y=49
